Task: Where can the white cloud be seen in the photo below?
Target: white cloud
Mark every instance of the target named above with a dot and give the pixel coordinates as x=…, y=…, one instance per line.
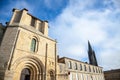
x=117, y=3
x=53, y=4
x=23, y=4
x=77, y=24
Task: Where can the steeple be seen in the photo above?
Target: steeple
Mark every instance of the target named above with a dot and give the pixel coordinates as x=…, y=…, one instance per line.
x=89, y=46
x=91, y=55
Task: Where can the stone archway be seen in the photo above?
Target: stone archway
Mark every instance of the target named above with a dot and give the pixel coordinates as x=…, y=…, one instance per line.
x=29, y=67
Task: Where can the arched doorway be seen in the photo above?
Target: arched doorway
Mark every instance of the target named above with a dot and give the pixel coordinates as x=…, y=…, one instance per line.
x=28, y=68
x=25, y=74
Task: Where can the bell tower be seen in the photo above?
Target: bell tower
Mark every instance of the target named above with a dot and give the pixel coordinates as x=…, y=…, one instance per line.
x=91, y=55
x=26, y=51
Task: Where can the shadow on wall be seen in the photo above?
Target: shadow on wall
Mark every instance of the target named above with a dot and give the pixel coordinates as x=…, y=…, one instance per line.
x=2, y=31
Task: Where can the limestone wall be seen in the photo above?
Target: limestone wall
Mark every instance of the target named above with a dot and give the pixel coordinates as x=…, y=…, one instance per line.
x=80, y=71
x=15, y=50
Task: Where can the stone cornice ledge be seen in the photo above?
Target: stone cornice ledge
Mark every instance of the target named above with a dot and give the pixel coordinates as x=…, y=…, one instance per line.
x=31, y=29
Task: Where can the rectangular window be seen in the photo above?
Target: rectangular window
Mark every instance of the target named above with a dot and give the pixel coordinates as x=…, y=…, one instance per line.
x=89, y=69
x=93, y=69
x=96, y=70
x=69, y=65
x=17, y=17
x=80, y=67
x=33, y=22
x=75, y=65
x=40, y=27
x=85, y=68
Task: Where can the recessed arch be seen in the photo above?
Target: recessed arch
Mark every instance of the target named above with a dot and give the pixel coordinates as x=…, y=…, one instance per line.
x=31, y=63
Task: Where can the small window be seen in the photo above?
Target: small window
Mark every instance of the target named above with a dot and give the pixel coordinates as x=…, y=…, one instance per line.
x=33, y=22
x=75, y=66
x=89, y=69
x=69, y=65
x=101, y=70
x=40, y=27
x=80, y=67
x=93, y=69
x=96, y=70
x=85, y=68
x=33, y=45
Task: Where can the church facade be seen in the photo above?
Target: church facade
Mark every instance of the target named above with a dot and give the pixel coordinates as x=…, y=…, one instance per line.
x=28, y=53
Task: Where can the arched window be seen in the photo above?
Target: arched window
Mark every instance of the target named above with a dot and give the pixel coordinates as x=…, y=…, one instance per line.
x=101, y=70
x=96, y=70
x=75, y=66
x=93, y=69
x=85, y=68
x=80, y=67
x=69, y=65
x=89, y=69
x=33, y=45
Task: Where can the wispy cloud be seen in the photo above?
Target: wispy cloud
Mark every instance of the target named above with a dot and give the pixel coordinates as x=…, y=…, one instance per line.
x=81, y=21
x=78, y=22
x=54, y=4
x=116, y=3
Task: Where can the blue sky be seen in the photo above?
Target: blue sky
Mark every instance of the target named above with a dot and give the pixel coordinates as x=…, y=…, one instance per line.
x=74, y=22
x=43, y=9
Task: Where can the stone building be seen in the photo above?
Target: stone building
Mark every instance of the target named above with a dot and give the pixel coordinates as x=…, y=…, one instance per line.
x=71, y=69
x=112, y=74
x=28, y=53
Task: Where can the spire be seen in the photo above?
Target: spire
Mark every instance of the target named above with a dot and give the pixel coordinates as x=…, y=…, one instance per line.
x=89, y=46
x=91, y=55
